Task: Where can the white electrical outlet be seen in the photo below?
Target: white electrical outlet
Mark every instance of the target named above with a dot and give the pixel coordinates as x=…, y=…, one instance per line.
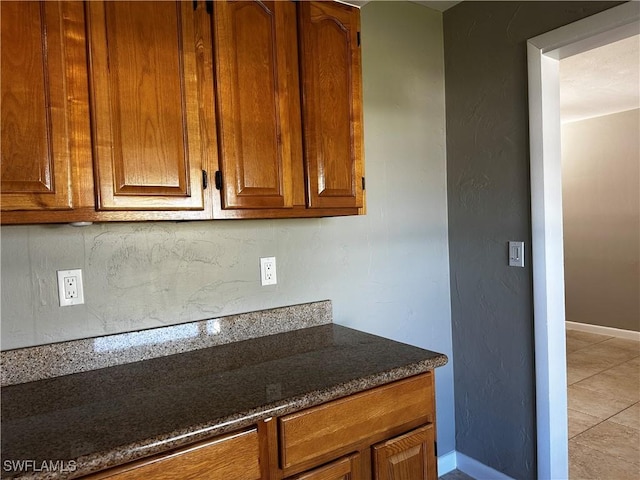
x=70, y=291
x=268, y=271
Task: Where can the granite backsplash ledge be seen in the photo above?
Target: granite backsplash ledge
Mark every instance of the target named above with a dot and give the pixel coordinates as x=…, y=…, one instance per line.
x=64, y=358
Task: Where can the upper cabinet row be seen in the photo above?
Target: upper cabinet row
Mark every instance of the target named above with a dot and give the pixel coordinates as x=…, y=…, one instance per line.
x=122, y=110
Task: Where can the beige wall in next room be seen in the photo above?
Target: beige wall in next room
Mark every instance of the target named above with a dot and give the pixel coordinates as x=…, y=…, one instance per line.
x=601, y=208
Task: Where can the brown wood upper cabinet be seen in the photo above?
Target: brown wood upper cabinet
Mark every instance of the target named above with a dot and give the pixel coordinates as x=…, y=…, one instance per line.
x=39, y=126
x=289, y=103
x=331, y=103
x=256, y=80
x=121, y=110
x=144, y=107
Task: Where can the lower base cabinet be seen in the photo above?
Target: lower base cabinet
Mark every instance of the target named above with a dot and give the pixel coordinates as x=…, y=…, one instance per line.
x=408, y=456
x=385, y=433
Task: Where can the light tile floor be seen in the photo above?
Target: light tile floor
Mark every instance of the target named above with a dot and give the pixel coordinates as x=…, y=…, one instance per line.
x=603, y=377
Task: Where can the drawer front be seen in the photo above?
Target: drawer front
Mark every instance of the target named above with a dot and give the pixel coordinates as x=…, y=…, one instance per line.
x=335, y=425
x=232, y=457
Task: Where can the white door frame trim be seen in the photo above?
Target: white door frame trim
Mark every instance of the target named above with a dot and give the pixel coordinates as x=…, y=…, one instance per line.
x=544, y=53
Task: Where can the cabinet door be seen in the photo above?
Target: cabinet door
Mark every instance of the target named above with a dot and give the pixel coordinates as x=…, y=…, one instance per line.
x=347, y=468
x=145, y=116
x=331, y=103
x=408, y=457
x=258, y=101
x=36, y=118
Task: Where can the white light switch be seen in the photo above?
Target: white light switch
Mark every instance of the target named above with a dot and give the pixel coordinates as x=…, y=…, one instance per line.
x=516, y=254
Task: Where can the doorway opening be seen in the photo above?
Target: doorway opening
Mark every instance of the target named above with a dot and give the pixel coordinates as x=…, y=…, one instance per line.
x=544, y=53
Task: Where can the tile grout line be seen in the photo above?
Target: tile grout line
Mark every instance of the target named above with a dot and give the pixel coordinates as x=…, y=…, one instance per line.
x=592, y=344
x=602, y=421
x=602, y=371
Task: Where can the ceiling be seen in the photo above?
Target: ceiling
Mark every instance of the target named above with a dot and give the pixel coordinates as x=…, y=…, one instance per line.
x=601, y=81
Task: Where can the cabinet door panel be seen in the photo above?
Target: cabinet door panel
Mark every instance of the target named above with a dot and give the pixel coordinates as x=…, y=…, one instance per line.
x=145, y=112
x=36, y=158
x=256, y=81
x=331, y=103
x=407, y=457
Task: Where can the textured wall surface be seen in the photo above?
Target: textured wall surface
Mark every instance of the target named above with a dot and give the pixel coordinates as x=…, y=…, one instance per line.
x=386, y=272
x=601, y=211
x=489, y=204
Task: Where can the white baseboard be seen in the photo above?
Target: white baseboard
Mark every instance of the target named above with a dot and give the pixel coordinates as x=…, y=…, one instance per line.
x=610, y=331
x=476, y=469
x=452, y=460
x=447, y=463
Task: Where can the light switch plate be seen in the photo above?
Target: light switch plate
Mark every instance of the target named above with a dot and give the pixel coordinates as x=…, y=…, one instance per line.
x=516, y=254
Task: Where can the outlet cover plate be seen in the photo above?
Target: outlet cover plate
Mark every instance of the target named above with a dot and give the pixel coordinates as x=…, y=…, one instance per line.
x=268, y=271
x=70, y=290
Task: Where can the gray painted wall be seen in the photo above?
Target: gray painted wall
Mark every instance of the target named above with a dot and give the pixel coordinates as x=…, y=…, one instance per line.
x=489, y=204
x=386, y=272
x=601, y=212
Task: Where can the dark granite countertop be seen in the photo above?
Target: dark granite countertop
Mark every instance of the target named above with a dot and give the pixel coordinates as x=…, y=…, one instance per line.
x=97, y=419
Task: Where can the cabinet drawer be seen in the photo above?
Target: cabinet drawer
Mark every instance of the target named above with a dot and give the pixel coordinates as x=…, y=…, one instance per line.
x=348, y=421
x=230, y=457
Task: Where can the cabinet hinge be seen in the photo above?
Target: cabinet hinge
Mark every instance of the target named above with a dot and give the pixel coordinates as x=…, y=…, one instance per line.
x=435, y=448
x=358, y=38
x=205, y=180
x=218, y=180
x=363, y=184
x=195, y=5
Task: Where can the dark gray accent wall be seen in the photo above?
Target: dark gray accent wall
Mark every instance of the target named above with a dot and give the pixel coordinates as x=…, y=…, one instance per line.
x=488, y=205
